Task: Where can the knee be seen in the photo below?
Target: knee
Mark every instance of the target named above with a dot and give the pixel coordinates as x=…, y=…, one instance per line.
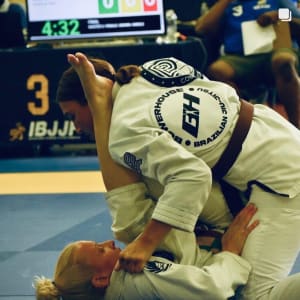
x=220, y=71
x=284, y=66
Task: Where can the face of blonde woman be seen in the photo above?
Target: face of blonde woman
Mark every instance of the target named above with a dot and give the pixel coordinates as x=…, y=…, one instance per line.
x=102, y=256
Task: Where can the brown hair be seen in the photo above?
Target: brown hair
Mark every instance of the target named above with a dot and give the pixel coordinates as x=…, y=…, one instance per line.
x=72, y=281
x=69, y=86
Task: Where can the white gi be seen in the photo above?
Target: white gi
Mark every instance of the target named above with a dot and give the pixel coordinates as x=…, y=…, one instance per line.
x=171, y=126
x=164, y=280
x=194, y=274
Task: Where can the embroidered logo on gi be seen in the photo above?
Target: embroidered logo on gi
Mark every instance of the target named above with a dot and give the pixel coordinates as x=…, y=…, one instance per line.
x=157, y=266
x=132, y=162
x=190, y=115
x=164, y=68
x=201, y=112
x=169, y=72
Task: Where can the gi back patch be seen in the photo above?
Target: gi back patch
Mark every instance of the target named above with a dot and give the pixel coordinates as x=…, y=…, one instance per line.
x=194, y=116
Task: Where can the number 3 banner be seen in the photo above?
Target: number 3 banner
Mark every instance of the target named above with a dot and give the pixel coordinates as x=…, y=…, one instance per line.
x=29, y=113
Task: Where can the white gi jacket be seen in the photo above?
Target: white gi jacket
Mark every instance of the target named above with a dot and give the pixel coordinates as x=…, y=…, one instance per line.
x=172, y=128
x=164, y=280
x=194, y=274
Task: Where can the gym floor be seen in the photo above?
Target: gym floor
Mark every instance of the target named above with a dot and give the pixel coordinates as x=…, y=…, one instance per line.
x=46, y=203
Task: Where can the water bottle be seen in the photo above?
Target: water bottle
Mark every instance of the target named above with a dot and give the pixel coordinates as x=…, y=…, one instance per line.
x=171, y=19
x=204, y=8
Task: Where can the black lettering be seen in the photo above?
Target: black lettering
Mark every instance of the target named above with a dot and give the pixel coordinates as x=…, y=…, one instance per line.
x=191, y=115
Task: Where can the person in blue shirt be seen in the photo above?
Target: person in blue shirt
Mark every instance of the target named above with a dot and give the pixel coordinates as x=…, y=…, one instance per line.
x=224, y=20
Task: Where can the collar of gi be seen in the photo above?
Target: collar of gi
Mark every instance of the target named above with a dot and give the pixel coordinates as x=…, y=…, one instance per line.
x=169, y=72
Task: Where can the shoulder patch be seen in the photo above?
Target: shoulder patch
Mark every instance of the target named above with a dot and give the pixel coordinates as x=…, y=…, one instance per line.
x=169, y=72
x=133, y=162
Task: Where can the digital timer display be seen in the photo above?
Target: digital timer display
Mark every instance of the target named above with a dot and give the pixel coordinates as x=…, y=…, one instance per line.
x=61, y=27
x=72, y=19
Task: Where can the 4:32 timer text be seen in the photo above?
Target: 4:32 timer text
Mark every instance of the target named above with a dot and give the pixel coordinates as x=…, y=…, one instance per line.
x=61, y=27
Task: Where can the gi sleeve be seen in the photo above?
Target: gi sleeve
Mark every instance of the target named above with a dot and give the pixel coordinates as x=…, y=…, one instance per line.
x=185, y=177
x=131, y=209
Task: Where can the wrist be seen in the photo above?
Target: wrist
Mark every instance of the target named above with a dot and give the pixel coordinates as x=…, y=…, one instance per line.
x=231, y=250
x=155, y=231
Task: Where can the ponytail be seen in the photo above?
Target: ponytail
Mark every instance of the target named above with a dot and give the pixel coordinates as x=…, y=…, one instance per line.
x=126, y=73
x=45, y=289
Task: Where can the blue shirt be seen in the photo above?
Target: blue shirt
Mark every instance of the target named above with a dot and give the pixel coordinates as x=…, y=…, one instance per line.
x=239, y=11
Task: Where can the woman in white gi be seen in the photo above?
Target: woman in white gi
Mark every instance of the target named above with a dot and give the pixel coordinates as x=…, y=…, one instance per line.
x=85, y=269
x=172, y=126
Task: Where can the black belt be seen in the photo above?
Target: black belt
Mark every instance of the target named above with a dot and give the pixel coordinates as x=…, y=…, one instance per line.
x=230, y=154
x=164, y=254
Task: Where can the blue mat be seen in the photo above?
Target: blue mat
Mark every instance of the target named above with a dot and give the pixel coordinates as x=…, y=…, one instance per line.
x=33, y=230
x=49, y=164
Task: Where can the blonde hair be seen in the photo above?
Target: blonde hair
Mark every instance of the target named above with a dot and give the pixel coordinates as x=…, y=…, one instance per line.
x=72, y=281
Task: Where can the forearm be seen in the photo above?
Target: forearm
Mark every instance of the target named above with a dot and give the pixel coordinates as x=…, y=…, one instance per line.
x=97, y=90
x=154, y=233
x=114, y=175
x=133, y=258
x=209, y=23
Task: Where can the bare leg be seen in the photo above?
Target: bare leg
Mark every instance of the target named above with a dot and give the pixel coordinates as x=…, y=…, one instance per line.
x=222, y=71
x=288, y=85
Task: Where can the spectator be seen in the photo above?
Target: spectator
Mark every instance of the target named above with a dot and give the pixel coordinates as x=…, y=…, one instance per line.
x=224, y=20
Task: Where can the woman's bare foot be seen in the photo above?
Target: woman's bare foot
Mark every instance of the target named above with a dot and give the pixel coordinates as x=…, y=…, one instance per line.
x=97, y=89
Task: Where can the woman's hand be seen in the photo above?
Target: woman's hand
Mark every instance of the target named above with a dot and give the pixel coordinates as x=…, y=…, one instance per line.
x=237, y=233
x=268, y=18
x=133, y=258
x=97, y=89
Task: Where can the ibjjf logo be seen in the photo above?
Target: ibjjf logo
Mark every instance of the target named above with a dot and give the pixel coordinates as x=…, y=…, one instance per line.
x=17, y=133
x=132, y=162
x=157, y=266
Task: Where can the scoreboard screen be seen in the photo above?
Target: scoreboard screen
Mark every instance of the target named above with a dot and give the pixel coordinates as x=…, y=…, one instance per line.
x=54, y=20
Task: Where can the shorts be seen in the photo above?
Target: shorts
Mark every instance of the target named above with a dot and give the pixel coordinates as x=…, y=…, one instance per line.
x=257, y=66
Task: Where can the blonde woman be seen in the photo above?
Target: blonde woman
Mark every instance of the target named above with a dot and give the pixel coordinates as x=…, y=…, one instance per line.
x=85, y=270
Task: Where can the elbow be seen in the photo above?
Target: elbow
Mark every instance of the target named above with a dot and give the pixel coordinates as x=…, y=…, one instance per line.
x=203, y=26
x=200, y=28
